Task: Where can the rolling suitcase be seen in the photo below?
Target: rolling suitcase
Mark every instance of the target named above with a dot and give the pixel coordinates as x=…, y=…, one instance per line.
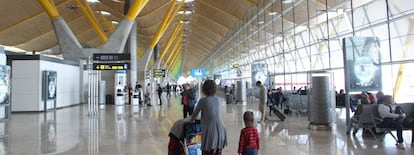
x=279, y=114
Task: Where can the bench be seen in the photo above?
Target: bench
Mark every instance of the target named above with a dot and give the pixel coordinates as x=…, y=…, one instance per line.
x=369, y=118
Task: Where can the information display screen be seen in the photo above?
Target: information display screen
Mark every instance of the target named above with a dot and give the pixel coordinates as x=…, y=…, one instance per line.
x=111, y=56
x=159, y=73
x=111, y=66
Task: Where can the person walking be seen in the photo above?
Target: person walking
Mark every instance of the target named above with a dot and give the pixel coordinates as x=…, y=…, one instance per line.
x=214, y=134
x=262, y=99
x=148, y=91
x=159, y=91
x=249, y=142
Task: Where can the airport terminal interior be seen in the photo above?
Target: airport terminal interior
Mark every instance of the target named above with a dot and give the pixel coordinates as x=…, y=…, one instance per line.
x=83, y=76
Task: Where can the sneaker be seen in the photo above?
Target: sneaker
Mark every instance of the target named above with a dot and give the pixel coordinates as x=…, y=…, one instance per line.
x=400, y=146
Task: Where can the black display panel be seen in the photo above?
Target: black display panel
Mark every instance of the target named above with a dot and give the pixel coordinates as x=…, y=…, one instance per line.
x=111, y=56
x=111, y=66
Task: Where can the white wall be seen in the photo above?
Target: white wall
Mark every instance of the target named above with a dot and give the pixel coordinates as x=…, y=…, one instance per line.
x=27, y=80
x=25, y=94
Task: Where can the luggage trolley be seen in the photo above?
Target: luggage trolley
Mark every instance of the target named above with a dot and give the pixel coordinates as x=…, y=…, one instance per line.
x=192, y=141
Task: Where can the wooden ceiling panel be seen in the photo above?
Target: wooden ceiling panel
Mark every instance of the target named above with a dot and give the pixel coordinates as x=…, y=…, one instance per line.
x=18, y=11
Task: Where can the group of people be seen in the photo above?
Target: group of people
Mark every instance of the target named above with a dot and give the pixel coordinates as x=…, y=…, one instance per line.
x=213, y=131
x=391, y=116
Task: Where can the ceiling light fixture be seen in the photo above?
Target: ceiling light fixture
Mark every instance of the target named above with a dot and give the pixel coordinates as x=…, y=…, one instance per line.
x=119, y=1
x=184, y=12
x=115, y=22
x=260, y=22
x=93, y=1
x=287, y=1
x=105, y=13
x=185, y=21
x=186, y=1
x=272, y=13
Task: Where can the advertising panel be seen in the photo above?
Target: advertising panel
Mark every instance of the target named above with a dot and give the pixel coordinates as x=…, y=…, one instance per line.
x=362, y=61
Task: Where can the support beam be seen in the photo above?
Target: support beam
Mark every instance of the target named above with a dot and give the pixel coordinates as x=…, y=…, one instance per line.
x=173, y=50
x=50, y=8
x=173, y=36
x=154, y=10
x=165, y=23
x=135, y=9
x=92, y=19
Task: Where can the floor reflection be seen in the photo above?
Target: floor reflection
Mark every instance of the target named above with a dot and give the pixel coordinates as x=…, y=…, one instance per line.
x=132, y=129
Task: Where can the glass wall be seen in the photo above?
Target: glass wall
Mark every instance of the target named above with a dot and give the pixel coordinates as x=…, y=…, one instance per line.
x=295, y=37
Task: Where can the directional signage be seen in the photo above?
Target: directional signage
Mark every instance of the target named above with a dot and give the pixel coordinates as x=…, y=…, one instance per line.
x=111, y=56
x=198, y=72
x=159, y=73
x=111, y=66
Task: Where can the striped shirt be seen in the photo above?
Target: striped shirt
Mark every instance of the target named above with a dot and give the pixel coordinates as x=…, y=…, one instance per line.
x=249, y=138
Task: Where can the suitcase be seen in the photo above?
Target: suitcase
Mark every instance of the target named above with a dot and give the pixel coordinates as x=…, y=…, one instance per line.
x=279, y=114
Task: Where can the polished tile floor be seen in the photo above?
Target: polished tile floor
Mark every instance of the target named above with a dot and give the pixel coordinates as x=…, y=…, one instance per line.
x=132, y=130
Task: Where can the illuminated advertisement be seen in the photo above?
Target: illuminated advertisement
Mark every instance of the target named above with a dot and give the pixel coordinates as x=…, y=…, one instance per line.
x=49, y=85
x=259, y=73
x=362, y=63
x=4, y=84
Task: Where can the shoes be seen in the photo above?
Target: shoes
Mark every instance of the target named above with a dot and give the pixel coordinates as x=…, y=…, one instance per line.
x=400, y=146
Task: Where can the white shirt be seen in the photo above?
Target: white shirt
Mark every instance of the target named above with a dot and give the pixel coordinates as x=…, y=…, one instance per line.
x=148, y=90
x=262, y=94
x=385, y=112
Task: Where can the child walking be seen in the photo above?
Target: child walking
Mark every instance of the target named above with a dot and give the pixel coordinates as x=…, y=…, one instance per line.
x=249, y=142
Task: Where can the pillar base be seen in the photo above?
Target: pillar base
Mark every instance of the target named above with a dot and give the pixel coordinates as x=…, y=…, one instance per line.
x=320, y=127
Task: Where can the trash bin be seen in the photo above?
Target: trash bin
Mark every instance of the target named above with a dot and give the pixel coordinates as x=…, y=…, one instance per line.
x=108, y=99
x=229, y=99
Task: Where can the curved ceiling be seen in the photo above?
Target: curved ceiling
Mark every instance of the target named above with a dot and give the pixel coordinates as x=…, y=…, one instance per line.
x=25, y=25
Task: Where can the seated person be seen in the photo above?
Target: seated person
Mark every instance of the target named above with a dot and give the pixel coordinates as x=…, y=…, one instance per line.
x=177, y=135
x=391, y=119
x=379, y=97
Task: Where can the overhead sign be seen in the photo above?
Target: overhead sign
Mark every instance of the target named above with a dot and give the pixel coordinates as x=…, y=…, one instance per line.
x=159, y=73
x=111, y=66
x=236, y=65
x=198, y=72
x=111, y=56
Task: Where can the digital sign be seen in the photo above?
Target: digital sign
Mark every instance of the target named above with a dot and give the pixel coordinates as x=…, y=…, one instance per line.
x=198, y=72
x=159, y=73
x=111, y=66
x=111, y=56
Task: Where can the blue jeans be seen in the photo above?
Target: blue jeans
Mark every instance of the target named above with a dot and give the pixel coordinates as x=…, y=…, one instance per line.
x=249, y=151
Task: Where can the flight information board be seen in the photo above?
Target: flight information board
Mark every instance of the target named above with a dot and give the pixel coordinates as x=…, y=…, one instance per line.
x=159, y=73
x=111, y=66
x=111, y=56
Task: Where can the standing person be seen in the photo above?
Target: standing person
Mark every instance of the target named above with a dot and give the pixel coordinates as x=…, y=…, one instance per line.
x=186, y=100
x=262, y=99
x=159, y=91
x=168, y=90
x=148, y=91
x=214, y=135
x=249, y=142
x=138, y=88
x=391, y=119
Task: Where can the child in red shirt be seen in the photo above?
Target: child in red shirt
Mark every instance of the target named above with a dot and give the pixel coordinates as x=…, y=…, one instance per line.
x=249, y=142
